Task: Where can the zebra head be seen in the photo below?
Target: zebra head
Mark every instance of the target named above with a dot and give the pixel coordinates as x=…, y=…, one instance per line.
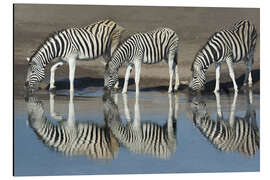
x=110, y=77
x=35, y=111
x=198, y=77
x=35, y=74
x=199, y=110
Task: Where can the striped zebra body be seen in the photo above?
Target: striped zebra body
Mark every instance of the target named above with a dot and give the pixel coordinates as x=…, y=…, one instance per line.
x=148, y=48
x=83, y=138
x=236, y=134
x=69, y=45
x=232, y=45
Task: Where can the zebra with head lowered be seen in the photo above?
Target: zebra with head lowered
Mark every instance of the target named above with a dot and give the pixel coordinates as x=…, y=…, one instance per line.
x=69, y=45
x=236, y=134
x=148, y=48
x=70, y=137
x=232, y=45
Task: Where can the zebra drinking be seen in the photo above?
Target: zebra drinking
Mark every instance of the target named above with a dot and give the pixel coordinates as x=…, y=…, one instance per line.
x=70, y=137
x=232, y=45
x=148, y=48
x=69, y=45
x=235, y=134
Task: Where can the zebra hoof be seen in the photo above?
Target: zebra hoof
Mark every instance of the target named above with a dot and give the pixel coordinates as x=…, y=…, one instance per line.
x=52, y=90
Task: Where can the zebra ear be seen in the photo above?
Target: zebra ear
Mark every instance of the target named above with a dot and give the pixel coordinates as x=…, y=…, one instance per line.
x=28, y=59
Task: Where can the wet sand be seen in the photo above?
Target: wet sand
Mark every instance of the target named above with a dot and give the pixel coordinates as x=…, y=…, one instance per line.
x=33, y=23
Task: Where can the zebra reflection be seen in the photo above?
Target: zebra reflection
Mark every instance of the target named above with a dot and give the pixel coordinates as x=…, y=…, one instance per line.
x=68, y=136
x=143, y=137
x=236, y=134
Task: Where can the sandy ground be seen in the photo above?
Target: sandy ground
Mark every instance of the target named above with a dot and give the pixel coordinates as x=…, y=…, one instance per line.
x=33, y=23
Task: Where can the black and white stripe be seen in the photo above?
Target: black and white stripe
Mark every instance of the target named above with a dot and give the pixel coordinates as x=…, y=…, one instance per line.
x=142, y=137
x=233, y=45
x=84, y=138
x=69, y=45
x=240, y=135
x=148, y=48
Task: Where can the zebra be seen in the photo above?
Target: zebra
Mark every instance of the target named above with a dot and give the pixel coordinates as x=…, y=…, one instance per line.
x=143, y=137
x=232, y=45
x=71, y=138
x=237, y=134
x=148, y=48
x=69, y=45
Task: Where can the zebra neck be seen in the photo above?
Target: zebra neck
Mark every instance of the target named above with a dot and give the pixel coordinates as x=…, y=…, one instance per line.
x=41, y=58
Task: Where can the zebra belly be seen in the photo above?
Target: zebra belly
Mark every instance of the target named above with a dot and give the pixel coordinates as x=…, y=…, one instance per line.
x=151, y=60
x=83, y=57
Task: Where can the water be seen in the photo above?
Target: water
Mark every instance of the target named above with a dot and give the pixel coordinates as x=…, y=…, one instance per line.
x=182, y=148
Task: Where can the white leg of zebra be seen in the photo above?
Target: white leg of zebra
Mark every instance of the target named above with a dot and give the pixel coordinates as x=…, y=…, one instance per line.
x=219, y=112
x=248, y=77
x=53, y=69
x=137, y=63
x=71, y=113
x=137, y=115
x=217, y=77
x=127, y=113
x=72, y=67
x=250, y=62
x=177, y=82
x=116, y=98
x=171, y=71
x=170, y=114
x=231, y=71
x=232, y=113
x=52, y=111
x=127, y=75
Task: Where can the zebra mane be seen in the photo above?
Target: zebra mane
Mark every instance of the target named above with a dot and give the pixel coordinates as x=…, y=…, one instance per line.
x=123, y=38
x=240, y=22
x=202, y=47
x=46, y=39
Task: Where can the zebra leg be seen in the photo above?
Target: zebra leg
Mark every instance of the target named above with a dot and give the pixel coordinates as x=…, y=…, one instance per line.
x=71, y=112
x=230, y=66
x=170, y=63
x=128, y=71
x=137, y=115
x=248, y=77
x=137, y=74
x=116, y=98
x=232, y=116
x=53, y=69
x=219, y=112
x=72, y=67
x=116, y=86
x=217, y=77
x=127, y=113
x=170, y=114
x=52, y=112
x=250, y=63
x=172, y=118
x=177, y=82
